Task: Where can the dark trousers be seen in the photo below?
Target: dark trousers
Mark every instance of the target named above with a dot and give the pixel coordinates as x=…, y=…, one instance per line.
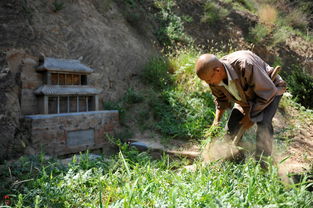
x=264, y=133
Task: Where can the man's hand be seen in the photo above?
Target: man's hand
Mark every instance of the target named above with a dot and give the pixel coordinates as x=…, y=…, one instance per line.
x=246, y=123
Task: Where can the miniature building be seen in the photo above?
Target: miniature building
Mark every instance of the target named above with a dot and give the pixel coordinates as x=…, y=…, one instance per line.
x=65, y=87
x=62, y=109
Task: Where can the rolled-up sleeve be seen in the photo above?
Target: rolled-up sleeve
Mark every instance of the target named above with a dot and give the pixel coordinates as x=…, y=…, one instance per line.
x=220, y=99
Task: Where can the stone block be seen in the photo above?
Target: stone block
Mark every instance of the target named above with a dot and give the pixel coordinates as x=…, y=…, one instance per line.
x=59, y=134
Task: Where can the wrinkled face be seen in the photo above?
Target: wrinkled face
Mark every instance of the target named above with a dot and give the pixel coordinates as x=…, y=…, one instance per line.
x=215, y=76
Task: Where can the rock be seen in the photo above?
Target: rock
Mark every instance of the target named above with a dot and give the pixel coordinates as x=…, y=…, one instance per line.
x=12, y=135
x=139, y=145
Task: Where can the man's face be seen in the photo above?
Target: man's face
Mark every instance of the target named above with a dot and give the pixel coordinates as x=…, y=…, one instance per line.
x=214, y=76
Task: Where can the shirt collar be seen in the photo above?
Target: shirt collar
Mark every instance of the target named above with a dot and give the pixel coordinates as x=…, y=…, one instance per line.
x=231, y=73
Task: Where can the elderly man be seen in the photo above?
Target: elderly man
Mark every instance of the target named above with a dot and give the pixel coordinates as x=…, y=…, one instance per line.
x=243, y=78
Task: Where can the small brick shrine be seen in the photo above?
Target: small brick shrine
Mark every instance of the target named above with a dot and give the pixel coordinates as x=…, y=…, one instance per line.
x=62, y=110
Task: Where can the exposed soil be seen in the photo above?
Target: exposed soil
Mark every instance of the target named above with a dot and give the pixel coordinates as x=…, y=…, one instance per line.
x=294, y=136
x=293, y=142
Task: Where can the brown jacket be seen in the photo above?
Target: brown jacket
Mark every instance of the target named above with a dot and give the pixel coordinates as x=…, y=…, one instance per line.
x=252, y=78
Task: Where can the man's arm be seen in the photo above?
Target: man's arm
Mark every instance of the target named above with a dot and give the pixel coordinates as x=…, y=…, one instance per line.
x=221, y=103
x=263, y=87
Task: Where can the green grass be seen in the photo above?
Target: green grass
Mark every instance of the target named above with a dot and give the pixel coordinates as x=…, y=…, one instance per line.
x=181, y=105
x=133, y=179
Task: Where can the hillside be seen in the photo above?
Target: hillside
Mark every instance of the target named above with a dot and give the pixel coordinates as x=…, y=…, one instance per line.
x=143, y=53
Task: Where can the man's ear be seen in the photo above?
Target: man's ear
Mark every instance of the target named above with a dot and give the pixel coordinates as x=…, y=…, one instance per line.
x=217, y=69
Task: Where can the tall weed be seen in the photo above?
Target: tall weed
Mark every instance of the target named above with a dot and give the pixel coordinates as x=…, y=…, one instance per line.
x=133, y=179
x=181, y=106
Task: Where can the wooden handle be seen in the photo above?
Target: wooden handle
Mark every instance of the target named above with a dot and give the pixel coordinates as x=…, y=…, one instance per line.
x=275, y=72
x=239, y=135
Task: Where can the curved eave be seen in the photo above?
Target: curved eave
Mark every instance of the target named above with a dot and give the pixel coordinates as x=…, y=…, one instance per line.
x=63, y=65
x=65, y=90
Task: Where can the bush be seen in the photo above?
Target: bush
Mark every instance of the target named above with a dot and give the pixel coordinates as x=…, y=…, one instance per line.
x=180, y=105
x=213, y=13
x=267, y=15
x=300, y=85
x=156, y=73
x=259, y=33
x=171, y=26
x=57, y=6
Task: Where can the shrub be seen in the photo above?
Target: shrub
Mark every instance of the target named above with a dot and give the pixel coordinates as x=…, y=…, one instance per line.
x=267, y=15
x=213, y=12
x=156, y=73
x=132, y=97
x=297, y=19
x=300, y=85
x=171, y=26
x=258, y=33
x=180, y=106
x=57, y=6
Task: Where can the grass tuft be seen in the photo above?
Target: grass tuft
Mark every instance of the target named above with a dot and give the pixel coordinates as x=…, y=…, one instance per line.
x=133, y=179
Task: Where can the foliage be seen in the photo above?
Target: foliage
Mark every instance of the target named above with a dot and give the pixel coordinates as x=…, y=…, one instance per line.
x=133, y=12
x=57, y=5
x=133, y=179
x=300, y=84
x=243, y=5
x=213, y=13
x=267, y=15
x=275, y=27
x=130, y=97
x=259, y=33
x=171, y=26
x=156, y=73
x=180, y=104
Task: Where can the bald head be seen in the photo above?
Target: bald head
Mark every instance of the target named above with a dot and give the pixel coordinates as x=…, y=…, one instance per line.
x=207, y=62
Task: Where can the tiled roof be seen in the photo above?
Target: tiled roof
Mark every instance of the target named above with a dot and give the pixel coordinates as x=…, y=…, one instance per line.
x=66, y=90
x=62, y=65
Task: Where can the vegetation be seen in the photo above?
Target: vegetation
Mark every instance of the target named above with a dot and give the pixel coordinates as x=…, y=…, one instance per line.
x=57, y=5
x=278, y=21
x=213, y=12
x=133, y=179
x=171, y=26
x=130, y=97
x=181, y=105
x=300, y=84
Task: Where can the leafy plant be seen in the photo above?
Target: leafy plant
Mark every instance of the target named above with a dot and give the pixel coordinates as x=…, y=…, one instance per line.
x=179, y=105
x=57, y=6
x=300, y=85
x=156, y=73
x=132, y=97
x=133, y=179
x=259, y=33
x=213, y=12
x=171, y=26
